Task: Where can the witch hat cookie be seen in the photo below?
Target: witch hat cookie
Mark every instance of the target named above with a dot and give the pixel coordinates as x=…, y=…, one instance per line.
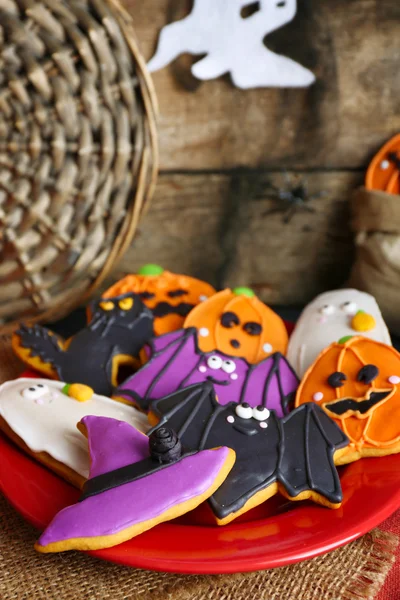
x=133, y=485
x=177, y=362
x=116, y=333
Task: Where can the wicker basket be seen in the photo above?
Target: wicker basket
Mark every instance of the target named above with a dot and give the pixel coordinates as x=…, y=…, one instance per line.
x=77, y=150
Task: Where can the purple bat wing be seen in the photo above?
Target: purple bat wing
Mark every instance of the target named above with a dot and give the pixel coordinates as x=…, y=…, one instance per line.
x=271, y=383
x=165, y=372
x=161, y=342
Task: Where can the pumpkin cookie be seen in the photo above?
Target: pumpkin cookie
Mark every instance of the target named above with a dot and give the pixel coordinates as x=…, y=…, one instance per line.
x=237, y=323
x=330, y=317
x=135, y=483
x=170, y=297
x=357, y=383
x=384, y=170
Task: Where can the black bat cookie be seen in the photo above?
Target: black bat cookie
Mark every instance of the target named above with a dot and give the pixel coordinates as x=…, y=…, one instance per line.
x=294, y=454
x=117, y=331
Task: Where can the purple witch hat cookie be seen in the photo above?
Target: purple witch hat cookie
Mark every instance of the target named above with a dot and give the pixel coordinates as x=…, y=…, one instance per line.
x=176, y=362
x=135, y=483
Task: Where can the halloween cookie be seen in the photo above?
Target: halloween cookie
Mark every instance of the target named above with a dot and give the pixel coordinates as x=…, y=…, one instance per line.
x=40, y=415
x=294, y=455
x=237, y=323
x=113, y=338
x=170, y=297
x=384, y=170
x=328, y=318
x=357, y=383
x=134, y=484
x=176, y=362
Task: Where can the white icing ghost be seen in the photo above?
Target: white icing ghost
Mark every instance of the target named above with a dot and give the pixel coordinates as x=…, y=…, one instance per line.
x=233, y=44
x=45, y=418
x=327, y=319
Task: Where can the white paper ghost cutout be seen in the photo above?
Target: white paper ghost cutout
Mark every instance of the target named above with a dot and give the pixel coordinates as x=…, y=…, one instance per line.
x=233, y=44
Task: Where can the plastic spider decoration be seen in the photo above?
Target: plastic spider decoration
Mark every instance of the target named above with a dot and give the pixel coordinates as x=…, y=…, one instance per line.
x=291, y=199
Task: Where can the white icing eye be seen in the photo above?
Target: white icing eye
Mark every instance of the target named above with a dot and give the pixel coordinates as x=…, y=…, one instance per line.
x=244, y=411
x=214, y=362
x=350, y=308
x=35, y=391
x=228, y=366
x=327, y=309
x=260, y=413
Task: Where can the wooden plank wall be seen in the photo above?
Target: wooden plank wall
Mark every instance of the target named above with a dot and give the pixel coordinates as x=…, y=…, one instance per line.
x=223, y=150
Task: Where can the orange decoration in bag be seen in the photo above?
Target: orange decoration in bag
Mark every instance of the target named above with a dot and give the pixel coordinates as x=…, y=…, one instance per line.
x=169, y=296
x=357, y=382
x=237, y=323
x=384, y=170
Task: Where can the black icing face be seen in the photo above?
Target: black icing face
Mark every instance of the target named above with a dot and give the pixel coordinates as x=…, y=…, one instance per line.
x=230, y=320
x=126, y=307
x=247, y=420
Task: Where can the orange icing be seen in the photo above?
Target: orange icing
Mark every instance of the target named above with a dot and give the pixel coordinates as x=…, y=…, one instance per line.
x=385, y=179
x=159, y=286
x=378, y=429
x=206, y=317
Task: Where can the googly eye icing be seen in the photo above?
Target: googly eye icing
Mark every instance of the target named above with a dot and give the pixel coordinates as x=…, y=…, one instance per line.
x=244, y=411
x=260, y=413
x=350, y=308
x=214, y=362
x=228, y=366
x=327, y=309
x=35, y=391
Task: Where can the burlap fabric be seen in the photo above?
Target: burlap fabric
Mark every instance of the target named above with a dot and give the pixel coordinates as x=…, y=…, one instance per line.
x=354, y=572
x=376, y=223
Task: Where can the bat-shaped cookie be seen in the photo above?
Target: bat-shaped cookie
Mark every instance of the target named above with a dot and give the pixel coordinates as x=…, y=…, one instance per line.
x=118, y=329
x=294, y=455
x=177, y=362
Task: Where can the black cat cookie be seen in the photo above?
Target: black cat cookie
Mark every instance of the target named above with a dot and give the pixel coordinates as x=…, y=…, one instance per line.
x=118, y=329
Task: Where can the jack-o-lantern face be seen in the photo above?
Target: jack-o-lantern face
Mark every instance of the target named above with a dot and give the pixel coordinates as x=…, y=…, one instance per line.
x=237, y=323
x=169, y=296
x=357, y=384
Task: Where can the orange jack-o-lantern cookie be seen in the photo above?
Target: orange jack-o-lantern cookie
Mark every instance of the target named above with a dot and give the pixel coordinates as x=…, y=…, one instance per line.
x=357, y=382
x=384, y=170
x=237, y=323
x=169, y=296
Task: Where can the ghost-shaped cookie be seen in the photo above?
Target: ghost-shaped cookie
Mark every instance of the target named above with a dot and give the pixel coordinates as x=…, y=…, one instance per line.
x=330, y=317
x=41, y=416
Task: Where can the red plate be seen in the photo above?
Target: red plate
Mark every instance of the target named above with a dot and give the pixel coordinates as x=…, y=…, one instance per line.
x=274, y=534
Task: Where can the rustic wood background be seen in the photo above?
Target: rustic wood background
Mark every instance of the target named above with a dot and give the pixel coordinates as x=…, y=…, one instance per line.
x=222, y=149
